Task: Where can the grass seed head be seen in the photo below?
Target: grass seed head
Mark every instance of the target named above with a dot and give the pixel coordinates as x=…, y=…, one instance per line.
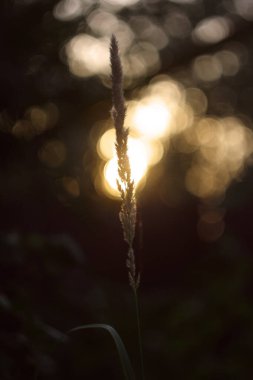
x=125, y=184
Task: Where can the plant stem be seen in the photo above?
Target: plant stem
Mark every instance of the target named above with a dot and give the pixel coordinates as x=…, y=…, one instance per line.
x=137, y=309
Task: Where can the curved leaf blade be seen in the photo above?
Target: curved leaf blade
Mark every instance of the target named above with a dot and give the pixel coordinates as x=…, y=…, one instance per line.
x=122, y=352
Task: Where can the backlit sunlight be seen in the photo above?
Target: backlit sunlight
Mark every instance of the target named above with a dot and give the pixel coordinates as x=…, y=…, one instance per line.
x=217, y=148
x=138, y=157
x=151, y=118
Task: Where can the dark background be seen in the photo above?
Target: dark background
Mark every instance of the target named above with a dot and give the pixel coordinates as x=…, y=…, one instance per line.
x=62, y=260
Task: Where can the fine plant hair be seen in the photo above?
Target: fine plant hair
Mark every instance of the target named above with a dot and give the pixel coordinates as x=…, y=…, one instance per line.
x=127, y=213
x=125, y=183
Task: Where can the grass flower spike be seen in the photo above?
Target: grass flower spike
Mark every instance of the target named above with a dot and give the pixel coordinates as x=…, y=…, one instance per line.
x=125, y=183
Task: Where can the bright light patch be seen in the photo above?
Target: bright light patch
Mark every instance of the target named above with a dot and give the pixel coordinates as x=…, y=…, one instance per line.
x=151, y=119
x=154, y=150
x=106, y=145
x=212, y=30
x=225, y=145
x=102, y=22
x=67, y=10
x=87, y=55
x=120, y=3
x=138, y=163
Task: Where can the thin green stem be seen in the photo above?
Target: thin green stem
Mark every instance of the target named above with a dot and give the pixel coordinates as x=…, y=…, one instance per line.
x=137, y=309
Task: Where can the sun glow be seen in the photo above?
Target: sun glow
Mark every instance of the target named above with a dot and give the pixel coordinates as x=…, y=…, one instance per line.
x=151, y=118
x=138, y=157
x=142, y=153
x=158, y=112
x=164, y=114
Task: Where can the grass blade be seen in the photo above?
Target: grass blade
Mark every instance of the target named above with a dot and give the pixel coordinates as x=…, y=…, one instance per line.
x=123, y=355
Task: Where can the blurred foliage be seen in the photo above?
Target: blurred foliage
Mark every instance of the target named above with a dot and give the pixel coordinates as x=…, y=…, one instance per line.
x=200, y=325
x=35, y=272
x=206, y=319
x=194, y=243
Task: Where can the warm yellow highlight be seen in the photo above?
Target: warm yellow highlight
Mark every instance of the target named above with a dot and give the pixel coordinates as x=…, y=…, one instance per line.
x=153, y=150
x=143, y=153
x=86, y=55
x=164, y=112
x=222, y=148
x=159, y=112
x=151, y=118
x=106, y=144
x=138, y=161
